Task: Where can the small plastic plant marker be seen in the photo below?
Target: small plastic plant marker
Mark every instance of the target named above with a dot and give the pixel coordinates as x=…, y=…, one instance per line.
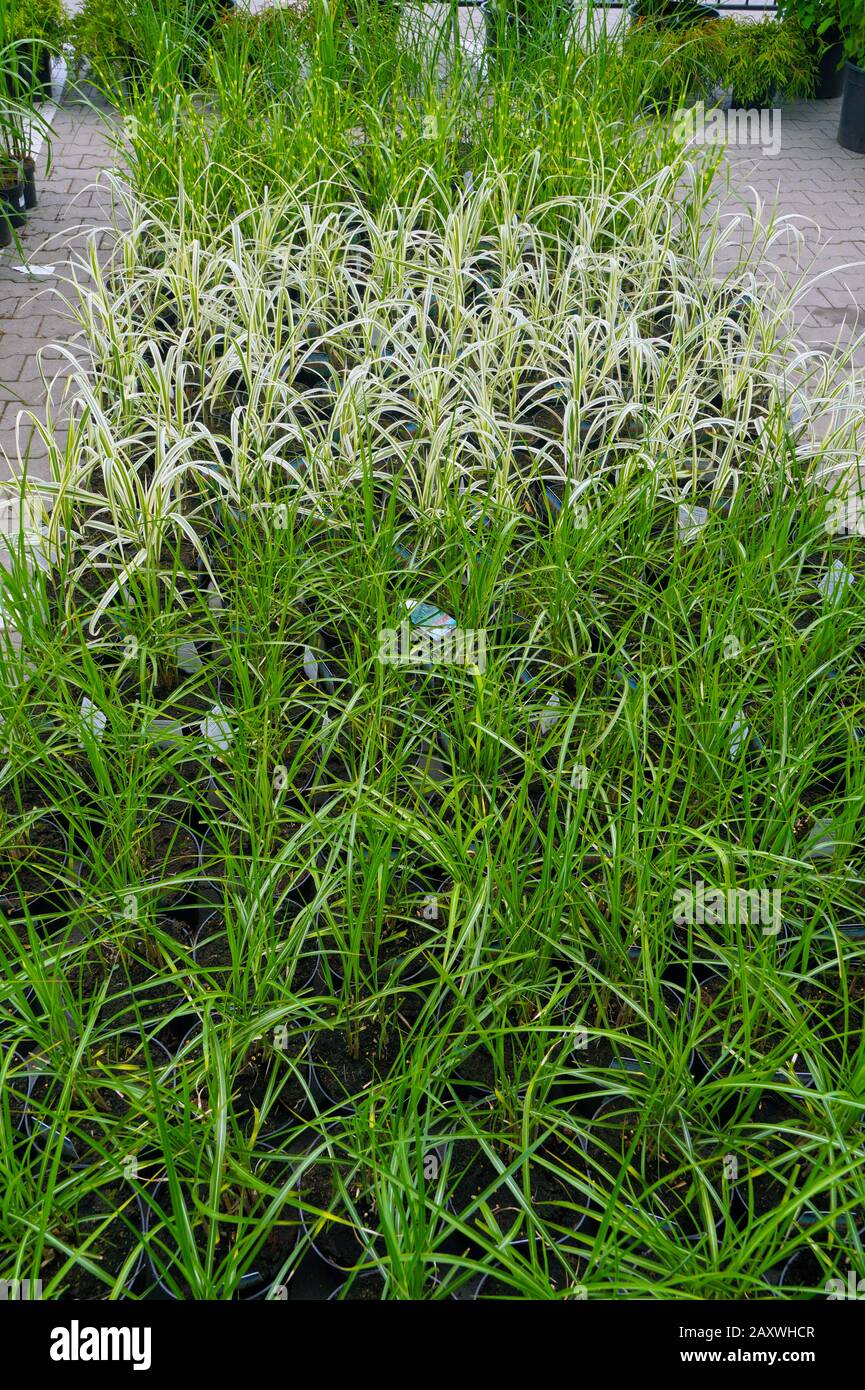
x=403, y=553
x=216, y=728
x=39, y=272
x=188, y=659
x=835, y=582
x=310, y=665
x=549, y=714
x=553, y=500
x=741, y=735
x=317, y=672
x=690, y=522
x=820, y=843
x=426, y=615
x=93, y=719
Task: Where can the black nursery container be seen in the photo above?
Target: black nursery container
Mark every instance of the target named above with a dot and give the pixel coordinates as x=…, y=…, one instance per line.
x=31, y=79
x=677, y=14
x=30, y=199
x=830, y=70
x=13, y=209
x=851, y=130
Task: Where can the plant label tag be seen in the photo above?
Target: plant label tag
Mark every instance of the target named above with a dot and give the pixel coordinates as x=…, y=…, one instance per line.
x=187, y=657
x=428, y=616
x=216, y=728
x=820, y=843
x=835, y=581
x=93, y=719
x=690, y=522
x=740, y=733
x=550, y=714
x=310, y=665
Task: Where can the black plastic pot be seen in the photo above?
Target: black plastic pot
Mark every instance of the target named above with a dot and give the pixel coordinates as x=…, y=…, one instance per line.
x=332, y=1069
x=99, y=1211
x=554, y=1203
x=300, y=970
x=561, y=1277
x=683, y=1223
x=676, y=14
x=13, y=209
x=829, y=1276
x=851, y=127
x=252, y=1286
x=74, y=1151
x=5, y=233
x=265, y=1056
x=830, y=69
x=30, y=199
x=41, y=887
x=33, y=76
x=342, y=1244
x=716, y=1060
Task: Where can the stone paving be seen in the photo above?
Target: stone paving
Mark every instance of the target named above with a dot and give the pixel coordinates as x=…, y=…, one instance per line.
x=819, y=190
x=33, y=318
x=813, y=181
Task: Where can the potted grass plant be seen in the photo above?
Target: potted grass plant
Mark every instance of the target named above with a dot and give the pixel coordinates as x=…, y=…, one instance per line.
x=13, y=208
x=38, y=30
x=677, y=14
x=22, y=123
x=105, y=39
x=851, y=128
x=32, y=851
x=196, y=1225
x=753, y=65
x=767, y=63
x=820, y=21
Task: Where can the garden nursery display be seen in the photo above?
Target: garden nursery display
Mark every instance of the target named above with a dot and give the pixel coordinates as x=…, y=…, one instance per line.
x=431, y=682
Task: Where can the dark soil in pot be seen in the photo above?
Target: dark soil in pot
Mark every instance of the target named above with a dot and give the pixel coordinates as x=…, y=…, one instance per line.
x=212, y=951
x=366, y=1288
x=107, y=1072
x=400, y=954
x=826, y=1256
x=165, y=850
x=236, y=1203
x=769, y=1164
x=343, y=1243
x=655, y=1163
x=143, y=982
x=108, y=1221
x=835, y=1010
x=347, y=1065
x=727, y=1043
x=558, y=1268
x=475, y=1066
x=273, y=1081
x=555, y=1201
x=34, y=853
x=634, y=1039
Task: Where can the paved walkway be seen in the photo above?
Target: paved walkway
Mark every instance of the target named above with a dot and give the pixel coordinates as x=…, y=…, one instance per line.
x=820, y=189
x=33, y=318
x=814, y=181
